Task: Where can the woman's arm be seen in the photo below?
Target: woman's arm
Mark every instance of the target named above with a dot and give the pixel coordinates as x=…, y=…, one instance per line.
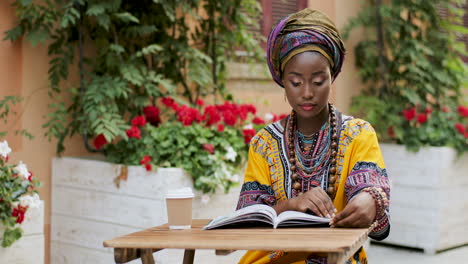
x=367, y=186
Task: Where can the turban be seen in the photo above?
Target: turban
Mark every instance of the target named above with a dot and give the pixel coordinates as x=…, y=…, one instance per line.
x=306, y=30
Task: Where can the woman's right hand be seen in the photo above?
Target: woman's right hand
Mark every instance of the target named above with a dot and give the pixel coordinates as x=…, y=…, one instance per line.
x=315, y=200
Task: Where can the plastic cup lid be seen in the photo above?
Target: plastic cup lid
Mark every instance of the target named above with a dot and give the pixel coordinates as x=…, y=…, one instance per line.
x=182, y=193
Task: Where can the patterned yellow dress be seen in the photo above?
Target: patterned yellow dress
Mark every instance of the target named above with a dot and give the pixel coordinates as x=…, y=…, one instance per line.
x=267, y=180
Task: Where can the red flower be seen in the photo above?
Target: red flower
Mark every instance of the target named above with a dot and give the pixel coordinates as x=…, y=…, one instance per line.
x=220, y=127
x=248, y=135
x=428, y=111
x=187, y=115
x=422, y=118
x=134, y=132
x=250, y=108
x=145, y=159
x=209, y=148
x=100, y=141
x=152, y=115
x=409, y=113
x=258, y=121
x=466, y=134
x=211, y=115
x=445, y=109
x=19, y=212
x=200, y=102
x=462, y=111
x=176, y=107
x=460, y=127
x=139, y=121
x=30, y=176
x=148, y=167
x=391, y=131
x=242, y=112
x=229, y=118
x=167, y=101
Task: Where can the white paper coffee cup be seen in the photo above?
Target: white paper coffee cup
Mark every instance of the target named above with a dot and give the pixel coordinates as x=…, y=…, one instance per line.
x=179, y=208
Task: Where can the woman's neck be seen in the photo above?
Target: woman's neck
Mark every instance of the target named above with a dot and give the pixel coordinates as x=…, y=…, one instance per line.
x=311, y=125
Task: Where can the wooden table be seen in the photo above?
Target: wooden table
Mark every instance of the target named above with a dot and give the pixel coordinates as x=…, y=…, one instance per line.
x=338, y=243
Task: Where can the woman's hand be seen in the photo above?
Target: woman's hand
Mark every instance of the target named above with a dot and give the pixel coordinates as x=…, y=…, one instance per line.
x=359, y=212
x=315, y=200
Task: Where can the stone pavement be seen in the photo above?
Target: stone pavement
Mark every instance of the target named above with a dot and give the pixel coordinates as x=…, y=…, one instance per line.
x=384, y=254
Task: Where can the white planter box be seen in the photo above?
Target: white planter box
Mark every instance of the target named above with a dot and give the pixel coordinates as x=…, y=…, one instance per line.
x=429, y=197
x=87, y=208
x=30, y=247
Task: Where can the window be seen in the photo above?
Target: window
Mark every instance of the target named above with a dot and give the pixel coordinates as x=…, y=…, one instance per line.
x=273, y=10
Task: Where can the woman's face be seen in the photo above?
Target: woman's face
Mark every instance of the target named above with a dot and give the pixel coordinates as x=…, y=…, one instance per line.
x=307, y=83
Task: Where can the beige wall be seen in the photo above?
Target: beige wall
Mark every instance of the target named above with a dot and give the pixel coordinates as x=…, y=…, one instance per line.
x=23, y=71
x=348, y=82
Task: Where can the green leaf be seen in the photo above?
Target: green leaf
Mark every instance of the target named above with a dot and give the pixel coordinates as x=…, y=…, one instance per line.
x=10, y=236
x=151, y=49
x=127, y=17
x=116, y=48
x=95, y=10
x=37, y=36
x=25, y=2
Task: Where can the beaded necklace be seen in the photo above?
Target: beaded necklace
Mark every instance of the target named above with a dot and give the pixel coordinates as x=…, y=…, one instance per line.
x=319, y=159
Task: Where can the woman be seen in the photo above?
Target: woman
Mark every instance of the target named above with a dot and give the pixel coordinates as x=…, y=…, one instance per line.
x=316, y=159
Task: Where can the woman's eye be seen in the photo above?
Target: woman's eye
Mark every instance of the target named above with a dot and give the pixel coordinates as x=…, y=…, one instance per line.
x=318, y=83
x=295, y=84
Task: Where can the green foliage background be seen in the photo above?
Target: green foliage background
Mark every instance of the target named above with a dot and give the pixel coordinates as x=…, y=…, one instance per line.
x=417, y=65
x=129, y=53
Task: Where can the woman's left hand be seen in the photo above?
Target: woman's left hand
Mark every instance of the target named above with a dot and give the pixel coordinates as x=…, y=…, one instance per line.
x=359, y=212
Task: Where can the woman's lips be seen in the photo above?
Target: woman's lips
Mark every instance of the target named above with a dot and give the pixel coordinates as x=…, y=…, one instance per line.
x=307, y=107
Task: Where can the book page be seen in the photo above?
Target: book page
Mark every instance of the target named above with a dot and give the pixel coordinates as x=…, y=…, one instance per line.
x=295, y=218
x=257, y=212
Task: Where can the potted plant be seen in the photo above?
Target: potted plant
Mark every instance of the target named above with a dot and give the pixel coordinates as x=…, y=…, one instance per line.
x=20, y=208
x=410, y=60
x=130, y=55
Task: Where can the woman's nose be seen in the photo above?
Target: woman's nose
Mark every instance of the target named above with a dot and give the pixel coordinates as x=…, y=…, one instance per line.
x=308, y=92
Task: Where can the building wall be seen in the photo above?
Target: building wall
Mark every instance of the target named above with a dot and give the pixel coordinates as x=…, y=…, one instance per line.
x=348, y=82
x=23, y=71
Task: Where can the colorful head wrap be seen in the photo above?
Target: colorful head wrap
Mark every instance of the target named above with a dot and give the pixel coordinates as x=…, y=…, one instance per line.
x=306, y=30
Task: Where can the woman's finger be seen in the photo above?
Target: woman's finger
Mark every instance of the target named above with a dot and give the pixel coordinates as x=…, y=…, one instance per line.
x=319, y=207
x=350, y=220
x=328, y=203
x=341, y=215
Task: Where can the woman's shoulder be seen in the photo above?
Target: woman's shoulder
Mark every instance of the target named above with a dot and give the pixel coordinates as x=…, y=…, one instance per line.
x=353, y=127
x=266, y=136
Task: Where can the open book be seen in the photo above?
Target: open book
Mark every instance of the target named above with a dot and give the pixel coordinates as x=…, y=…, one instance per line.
x=264, y=215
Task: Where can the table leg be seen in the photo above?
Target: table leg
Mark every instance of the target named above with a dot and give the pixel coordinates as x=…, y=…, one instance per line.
x=147, y=256
x=189, y=256
x=219, y=252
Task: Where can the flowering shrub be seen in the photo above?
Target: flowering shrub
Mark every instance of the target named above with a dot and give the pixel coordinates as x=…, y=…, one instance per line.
x=209, y=142
x=17, y=194
x=416, y=125
x=414, y=76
